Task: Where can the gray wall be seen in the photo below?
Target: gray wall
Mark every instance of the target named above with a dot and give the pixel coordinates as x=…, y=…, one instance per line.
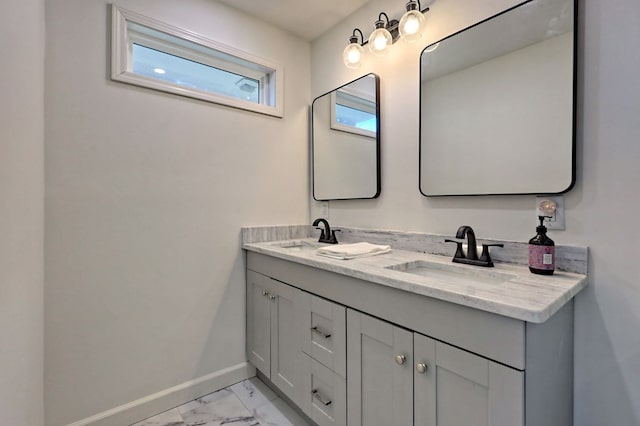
x=602, y=209
x=21, y=212
x=145, y=196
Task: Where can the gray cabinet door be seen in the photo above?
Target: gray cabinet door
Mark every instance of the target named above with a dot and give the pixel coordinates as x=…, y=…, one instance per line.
x=258, y=321
x=286, y=339
x=461, y=388
x=379, y=386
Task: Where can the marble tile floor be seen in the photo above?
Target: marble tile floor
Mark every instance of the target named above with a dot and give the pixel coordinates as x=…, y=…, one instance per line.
x=249, y=403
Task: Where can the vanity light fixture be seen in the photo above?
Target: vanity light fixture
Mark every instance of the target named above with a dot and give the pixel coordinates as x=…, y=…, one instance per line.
x=386, y=32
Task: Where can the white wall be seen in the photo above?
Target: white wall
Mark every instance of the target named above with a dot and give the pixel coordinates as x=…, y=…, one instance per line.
x=602, y=209
x=145, y=196
x=21, y=212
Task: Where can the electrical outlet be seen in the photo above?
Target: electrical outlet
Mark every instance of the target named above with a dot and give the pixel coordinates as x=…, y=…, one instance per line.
x=551, y=206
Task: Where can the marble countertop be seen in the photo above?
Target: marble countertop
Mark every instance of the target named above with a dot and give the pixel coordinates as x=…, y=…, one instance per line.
x=506, y=289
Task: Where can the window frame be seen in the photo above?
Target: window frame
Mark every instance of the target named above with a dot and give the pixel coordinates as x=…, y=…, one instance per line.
x=268, y=73
x=355, y=100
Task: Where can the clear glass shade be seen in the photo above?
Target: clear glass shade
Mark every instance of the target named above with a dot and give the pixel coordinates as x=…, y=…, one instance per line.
x=380, y=42
x=352, y=55
x=411, y=25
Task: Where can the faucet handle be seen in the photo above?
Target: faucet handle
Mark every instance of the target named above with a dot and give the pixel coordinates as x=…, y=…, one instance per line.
x=485, y=256
x=322, y=236
x=459, y=253
x=333, y=239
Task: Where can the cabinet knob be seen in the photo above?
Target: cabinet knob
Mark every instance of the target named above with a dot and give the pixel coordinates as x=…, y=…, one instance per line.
x=272, y=297
x=265, y=293
x=421, y=367
x=400, y=359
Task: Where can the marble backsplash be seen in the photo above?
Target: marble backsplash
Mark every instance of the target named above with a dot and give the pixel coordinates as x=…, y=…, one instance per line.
x=261, y=234
x=568, y=258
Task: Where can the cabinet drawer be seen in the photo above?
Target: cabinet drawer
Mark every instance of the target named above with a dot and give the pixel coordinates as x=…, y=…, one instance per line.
x=325, y=333
x=325, y=394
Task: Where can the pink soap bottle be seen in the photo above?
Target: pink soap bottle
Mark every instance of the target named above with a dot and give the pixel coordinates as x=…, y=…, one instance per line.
x=542, y=254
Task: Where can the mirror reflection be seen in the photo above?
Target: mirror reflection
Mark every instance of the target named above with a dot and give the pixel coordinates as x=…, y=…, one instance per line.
x=497, y=105
x=346, y=141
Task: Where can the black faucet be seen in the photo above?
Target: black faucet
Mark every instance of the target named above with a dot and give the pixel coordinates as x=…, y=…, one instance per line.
x=467, y=231
x=326, y=234
x=471, y=257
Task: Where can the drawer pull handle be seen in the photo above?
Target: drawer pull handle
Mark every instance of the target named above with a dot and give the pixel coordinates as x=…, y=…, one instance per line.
x=317, y=396
x=321, y=333
x=421, y=367
x=400, y=359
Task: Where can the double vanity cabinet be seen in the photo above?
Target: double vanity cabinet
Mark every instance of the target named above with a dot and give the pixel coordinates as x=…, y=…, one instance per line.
x=352, y=346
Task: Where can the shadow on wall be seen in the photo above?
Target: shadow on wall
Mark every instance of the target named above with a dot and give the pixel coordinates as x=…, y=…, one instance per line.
x=598, y=370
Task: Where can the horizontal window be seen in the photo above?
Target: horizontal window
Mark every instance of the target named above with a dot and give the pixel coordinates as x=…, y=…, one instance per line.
x=156, y=55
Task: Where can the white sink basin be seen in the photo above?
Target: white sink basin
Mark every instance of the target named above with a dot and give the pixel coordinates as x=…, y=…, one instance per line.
x=452, y=272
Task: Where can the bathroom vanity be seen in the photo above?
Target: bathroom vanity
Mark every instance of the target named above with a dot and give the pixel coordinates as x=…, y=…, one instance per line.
x=408, y=338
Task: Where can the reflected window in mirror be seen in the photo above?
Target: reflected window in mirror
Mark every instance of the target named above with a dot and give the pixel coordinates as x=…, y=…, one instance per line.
x=497, y=105
x=354, y=112
x=345, y=141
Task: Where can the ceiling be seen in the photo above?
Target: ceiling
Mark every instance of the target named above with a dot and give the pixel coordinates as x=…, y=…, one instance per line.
x=307, y=19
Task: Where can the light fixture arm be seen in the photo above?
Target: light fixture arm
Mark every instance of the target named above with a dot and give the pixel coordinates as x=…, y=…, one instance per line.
x=354, y=37
x=415, y=5
x=380, y=20
x=391, y=25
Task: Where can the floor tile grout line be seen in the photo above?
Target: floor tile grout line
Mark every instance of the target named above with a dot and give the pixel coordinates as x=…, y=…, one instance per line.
x=254, y=411
x=181, y=416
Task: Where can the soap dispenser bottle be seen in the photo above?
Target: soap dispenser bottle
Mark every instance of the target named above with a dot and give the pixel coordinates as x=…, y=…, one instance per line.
x=542, y=256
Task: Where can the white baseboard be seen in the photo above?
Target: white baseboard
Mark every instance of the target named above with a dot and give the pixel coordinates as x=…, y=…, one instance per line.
x=158, y=402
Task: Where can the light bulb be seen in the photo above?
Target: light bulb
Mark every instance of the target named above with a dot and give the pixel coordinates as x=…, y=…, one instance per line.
x=411, y=23
x=547, y=207
x=352, y=55
x=380, y=41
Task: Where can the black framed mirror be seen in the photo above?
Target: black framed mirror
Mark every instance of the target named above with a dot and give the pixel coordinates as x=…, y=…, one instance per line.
x=345, y=141
x=497, y=104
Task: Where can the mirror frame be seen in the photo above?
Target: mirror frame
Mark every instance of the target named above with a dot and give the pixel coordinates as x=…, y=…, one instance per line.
x=312, y=137
x=574, y=109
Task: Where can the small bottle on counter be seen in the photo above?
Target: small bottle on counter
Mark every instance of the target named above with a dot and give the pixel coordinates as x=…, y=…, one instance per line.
x=542, y=255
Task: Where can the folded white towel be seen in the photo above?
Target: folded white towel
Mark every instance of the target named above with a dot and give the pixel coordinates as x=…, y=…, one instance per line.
x=352, y=251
